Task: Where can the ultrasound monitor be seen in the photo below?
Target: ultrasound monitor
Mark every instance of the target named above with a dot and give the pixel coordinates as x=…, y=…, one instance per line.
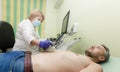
x=65, y=23
x=64, y=26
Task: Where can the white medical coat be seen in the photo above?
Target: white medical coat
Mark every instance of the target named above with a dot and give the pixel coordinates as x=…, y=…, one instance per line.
x=25, y=34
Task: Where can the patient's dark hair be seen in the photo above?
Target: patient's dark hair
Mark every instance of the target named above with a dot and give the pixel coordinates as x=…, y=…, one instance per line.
x=107, y=54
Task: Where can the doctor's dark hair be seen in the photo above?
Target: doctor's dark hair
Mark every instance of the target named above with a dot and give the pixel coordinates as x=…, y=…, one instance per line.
x=107, y=54
x=36, y=13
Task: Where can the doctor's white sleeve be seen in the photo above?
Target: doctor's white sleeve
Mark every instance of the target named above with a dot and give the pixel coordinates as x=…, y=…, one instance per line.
x=27, y=34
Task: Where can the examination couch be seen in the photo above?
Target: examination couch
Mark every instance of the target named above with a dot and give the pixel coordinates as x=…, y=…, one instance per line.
x=113, y=65
x=7, y=38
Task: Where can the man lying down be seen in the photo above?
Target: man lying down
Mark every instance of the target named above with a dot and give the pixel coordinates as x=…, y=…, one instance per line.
x=57, y=61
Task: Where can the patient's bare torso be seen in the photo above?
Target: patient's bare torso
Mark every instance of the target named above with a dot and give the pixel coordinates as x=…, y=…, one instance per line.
x=59, y=61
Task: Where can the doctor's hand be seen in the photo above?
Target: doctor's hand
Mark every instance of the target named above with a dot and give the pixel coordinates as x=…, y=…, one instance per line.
x=45, y=44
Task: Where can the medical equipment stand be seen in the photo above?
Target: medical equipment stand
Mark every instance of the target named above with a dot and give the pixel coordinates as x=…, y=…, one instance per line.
x=63, y=45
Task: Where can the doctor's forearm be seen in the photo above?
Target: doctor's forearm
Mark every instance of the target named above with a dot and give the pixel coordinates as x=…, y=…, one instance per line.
x=35, y=42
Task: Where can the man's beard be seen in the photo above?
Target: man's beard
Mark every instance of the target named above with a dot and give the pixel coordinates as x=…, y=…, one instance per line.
x=88, y=53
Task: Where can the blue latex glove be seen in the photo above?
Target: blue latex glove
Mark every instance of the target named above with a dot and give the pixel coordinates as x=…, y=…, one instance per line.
x=45, y=44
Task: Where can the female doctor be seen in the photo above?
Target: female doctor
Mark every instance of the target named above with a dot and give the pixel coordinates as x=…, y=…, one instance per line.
x=27, y=38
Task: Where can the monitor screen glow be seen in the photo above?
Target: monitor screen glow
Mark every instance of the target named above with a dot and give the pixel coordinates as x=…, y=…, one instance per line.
x=65, y=23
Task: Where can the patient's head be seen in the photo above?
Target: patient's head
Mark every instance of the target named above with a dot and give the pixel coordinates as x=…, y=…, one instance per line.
x=98, y=53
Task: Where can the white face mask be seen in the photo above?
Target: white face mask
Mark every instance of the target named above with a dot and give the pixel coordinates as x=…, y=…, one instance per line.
x=36, y=22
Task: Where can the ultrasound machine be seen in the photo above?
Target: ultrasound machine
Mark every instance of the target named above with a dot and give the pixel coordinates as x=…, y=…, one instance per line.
x=60, y=42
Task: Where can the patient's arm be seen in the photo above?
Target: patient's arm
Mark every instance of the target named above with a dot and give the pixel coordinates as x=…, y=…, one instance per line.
x=92, y=67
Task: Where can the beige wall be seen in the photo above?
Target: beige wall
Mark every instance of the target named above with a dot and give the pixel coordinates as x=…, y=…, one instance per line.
x=99, y=22
x=51, y=19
